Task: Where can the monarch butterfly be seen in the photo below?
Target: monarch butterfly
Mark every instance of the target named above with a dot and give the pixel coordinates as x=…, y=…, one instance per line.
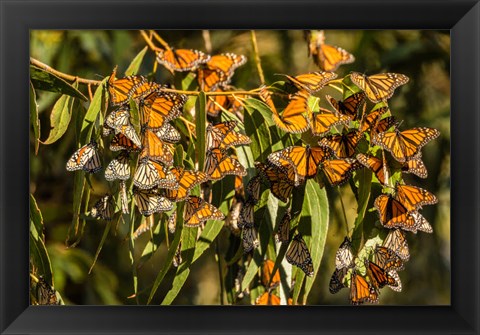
x=149, y=201
x=186, y=180
x=416, y=166
x=311, y=82
x=177, y=258
x=123, y=197
x=219, y=103
x=268, y=298
x=327, y=57
x=86, y=158
x=156, y=149
x=361, y=291
x=141, y=90
x=159, y=107
x=378, y=87
x=383, y=125
x=343, y=262
x=378, y=276
x=151, y=174
x=293, y=119
x=282, y=234
x=413, y=197
x=253, y=189
x=218, y=164
x=103, y=208
x=219, y=70
x=375, y=164
x=168, y=133
x=198, y=211
x=172, y=222
x=46, y=294
x=323, y=121
x=119, y=167
x=129, y=132
x=397, y=242
x=249, y=238
x=349, y=106
x=305, y=160
x=344, y=255
x=122, y=142
x=233, y=216
x=396, y=278
x=223, y=135
x=270, y=279
x=121, y=90
x=422, y=223
x=394, y=215
x=405, y=144
x=343, y=145
x=338, y=171
x=116, y=119
x=371, y=121
x=181, y=59
x=387, y=259
x=246, y=218
x=337, y=281
x=146, y=225
x=280, y=180
x=298, y=255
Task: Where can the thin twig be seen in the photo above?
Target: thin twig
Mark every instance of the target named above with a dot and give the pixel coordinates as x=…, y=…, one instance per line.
x=220, y=272
x=211, y=93
x=208, y=40
x=257, y=57
x=62, y=75
x=160, y=40
x=149, y=41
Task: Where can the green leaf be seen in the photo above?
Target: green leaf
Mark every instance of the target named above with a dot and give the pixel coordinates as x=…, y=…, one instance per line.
x=136, y=62
x=211, y=231
x=189, y=239
x=78, y=190
x=100, y=245
x=60, y=118
x=35, y=122
x=92, y=112
x=36, y=217
x=46, y=81
x=38, y=251
x=257, y=128
x=317, y=202
x=313, y=226
x=171, y=252
x=364, y=178
x=252, y=269
x=200, y=121
x=39, y=256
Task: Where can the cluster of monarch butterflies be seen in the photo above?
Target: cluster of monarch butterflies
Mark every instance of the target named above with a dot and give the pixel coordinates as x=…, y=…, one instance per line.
x=351, y=135
x=157, y=184
x=350, y=138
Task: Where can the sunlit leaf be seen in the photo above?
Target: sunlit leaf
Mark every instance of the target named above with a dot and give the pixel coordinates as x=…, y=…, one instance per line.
x=47, y=81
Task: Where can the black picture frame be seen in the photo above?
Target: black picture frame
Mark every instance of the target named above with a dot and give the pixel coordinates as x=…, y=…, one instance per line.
x=462, y=18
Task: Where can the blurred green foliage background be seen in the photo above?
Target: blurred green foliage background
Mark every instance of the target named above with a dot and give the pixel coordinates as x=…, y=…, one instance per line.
x=424, y=56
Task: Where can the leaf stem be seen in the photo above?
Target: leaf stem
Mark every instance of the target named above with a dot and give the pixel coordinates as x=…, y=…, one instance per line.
x=69, y=77
x=257, y=57
x=220, y=272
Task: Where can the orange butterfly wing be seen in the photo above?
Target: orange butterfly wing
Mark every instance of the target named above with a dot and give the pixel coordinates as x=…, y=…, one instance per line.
x=181, y=59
